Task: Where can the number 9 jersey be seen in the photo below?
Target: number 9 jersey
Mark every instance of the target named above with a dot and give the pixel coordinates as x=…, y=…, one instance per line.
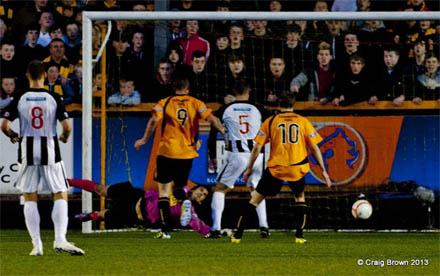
x=288, y=134
x=38, y=111
x=180, y=125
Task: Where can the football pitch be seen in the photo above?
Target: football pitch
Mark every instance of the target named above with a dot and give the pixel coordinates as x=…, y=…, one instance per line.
x=186, y=253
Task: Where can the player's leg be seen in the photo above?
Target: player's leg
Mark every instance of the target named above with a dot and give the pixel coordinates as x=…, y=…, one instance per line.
x=32, y=220
x=268, y=185
x=229, y=173
x=300, y=209
x=28, y=181
x=53, y=176
x=253, y=180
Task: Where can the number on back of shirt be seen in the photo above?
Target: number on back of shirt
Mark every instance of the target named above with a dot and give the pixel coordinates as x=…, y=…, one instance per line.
x=182, y=115
x=290, y=133
x=37, y=121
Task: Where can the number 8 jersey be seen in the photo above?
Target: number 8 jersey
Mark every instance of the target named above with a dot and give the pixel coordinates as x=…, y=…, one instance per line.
x=38, y=111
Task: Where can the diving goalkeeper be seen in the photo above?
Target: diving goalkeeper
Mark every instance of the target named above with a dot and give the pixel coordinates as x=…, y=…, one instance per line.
x=131, y=206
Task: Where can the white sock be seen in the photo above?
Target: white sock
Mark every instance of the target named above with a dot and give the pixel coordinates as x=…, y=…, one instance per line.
x=261, y=212
x=60, y=219
x=217, y=206
x=32, y=220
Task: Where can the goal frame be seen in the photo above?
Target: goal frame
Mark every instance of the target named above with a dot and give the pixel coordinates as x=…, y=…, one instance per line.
x=88, y=17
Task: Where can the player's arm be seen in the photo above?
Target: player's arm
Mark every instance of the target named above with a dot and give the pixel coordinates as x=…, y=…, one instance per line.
x=254, y=154
x=67, y=129
x=151, y=127
x=318, y=156
x=6, y=128
x=215, y=122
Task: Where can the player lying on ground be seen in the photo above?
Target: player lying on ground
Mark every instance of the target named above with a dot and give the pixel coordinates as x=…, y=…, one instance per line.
x=132, y=206
x=289, y=134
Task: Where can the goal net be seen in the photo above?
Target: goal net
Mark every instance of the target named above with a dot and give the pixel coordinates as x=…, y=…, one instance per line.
x=373, y=152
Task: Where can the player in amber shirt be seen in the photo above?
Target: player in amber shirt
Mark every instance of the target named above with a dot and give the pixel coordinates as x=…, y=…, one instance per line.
x=178, y=145
x=289, y=134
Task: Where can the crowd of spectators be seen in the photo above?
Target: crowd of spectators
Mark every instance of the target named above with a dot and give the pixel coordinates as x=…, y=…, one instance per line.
x=332, y=62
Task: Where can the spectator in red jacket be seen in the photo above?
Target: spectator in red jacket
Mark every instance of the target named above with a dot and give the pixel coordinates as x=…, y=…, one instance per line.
x=193, y=42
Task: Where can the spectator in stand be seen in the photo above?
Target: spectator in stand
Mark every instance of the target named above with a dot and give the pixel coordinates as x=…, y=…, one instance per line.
x=76, y=83
x=236, y=37
x=10, y=63
x=218, y=26
x=317, y=27
x=176, y=31
x=333, y=36
x=374, y=37
x=392, y=81
x=7, y=91
x=417, y=58
x=97, y=84
x=316, y=83
x=119, y=41
x=425, y=32
x=127, y=95
x=428, y=84
x=31, y=50
x=199, y=79
x=26, y=15
x=415, y=5
x=193, y=42
x=162, y=82
x=57, y=56
x=134, y=59
x=344, y=5
x=7, y=11
x=174, y=55
x=73, y=41
x=278, y=28
x=53, y=83
x=46, y=21
x=218, y=64
x=261, y=46
x=236, y=72
x=356, y=86
x=277, y=82
x=184, y=5
x=3, y=29
x=351, y=47
x=295, y=55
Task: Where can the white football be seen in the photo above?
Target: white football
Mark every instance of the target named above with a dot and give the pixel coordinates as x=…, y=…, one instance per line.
x=361, y=209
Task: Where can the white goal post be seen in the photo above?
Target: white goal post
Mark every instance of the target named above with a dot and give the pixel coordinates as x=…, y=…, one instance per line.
x=87, y=56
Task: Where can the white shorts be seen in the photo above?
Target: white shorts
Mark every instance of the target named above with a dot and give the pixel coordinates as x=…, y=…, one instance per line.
x=42, y=178
x=235, y=165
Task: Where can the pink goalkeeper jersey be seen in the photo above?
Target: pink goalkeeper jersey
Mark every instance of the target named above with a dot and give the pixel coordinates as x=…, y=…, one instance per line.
x=152, y=211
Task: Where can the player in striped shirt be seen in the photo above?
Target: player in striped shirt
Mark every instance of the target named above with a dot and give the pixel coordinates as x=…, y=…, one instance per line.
x=178, y=144
x=39, y=156
x=289, y=134
x=243, y=120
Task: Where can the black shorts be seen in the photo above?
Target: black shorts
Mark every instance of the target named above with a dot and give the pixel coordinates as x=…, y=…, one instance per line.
x=122, y=209
x=270, y=185
x=169, y=169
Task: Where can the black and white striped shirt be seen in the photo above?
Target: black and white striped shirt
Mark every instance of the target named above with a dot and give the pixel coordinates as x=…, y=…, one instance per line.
x=38, y=111
x=243, y=120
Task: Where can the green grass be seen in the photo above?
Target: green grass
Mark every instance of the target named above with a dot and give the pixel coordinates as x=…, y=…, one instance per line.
x=137, y=253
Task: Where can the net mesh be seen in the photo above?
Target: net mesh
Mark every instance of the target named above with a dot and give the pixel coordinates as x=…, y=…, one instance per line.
x=270, y=56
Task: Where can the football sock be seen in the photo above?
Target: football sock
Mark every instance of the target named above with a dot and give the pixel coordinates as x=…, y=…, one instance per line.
x=261, y=212
x=164, y=212
x=83, y=184
x=32, y=220
x=217, y=206
x=248, y=210
x=300, y=218
x=60, y=219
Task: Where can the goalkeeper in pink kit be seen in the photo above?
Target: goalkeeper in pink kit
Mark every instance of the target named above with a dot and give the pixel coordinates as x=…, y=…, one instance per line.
x=131, y=206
